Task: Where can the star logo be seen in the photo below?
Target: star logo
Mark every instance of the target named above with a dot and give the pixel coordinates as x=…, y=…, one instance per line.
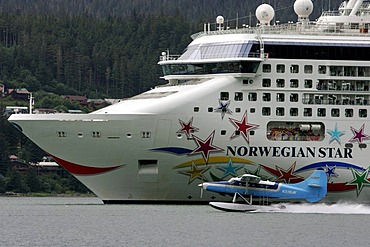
x=358, y=135
x=360, y=180
x=330, y=172
x=242, y=127
x=205, y=147
x=187, y=128
x=223, y=108
x=283, y=175
x=335, y=134
x=230, y=169
x=195, y=173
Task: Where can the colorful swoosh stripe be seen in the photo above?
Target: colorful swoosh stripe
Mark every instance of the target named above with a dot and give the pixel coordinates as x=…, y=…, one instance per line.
x=83, y=170
x=329, y=163
x=173, y=150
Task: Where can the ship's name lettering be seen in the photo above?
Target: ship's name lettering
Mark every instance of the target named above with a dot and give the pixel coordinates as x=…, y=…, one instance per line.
x=295, y=152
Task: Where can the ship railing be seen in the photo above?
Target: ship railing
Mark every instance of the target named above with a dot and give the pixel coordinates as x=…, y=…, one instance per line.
x=168, y=57
x=309, y=28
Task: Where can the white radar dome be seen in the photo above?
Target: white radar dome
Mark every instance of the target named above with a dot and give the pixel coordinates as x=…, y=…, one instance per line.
x=303, y=8
x=265, y=13
x=220, y=19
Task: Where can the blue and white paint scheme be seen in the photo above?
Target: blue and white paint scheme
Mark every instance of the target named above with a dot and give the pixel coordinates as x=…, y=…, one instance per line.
x=312, y=189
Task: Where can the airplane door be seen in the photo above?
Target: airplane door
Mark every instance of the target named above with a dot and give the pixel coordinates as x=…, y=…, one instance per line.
x=162, y=133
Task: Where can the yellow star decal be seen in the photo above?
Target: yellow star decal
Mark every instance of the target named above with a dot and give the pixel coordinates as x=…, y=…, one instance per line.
x=195, y=173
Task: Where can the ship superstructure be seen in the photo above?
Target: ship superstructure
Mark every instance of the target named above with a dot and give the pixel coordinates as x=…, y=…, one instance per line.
x=275, y=100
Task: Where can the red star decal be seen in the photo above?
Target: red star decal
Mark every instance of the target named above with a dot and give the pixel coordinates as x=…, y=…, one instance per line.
x=243, y=127
x=283, y=175
x=187, y=128
x=205, y=147
x=358, y=134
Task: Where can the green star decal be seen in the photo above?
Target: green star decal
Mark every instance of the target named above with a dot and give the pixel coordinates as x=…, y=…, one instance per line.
x=360, y=180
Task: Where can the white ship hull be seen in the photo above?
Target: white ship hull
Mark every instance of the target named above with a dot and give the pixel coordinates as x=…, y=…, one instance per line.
x=158, y=146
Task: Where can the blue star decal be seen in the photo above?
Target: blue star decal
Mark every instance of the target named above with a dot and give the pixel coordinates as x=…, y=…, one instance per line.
x=223, y=108
x=230, y=169
x=330, y=172
x=335, y=134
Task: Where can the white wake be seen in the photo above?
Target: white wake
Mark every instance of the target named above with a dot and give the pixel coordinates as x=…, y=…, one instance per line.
x=319, y=208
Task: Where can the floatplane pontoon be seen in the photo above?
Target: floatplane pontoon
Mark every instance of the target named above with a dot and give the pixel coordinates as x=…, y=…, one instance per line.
x=313, y=189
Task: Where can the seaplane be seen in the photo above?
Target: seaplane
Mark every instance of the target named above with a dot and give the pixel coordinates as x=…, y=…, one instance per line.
x=312, y=189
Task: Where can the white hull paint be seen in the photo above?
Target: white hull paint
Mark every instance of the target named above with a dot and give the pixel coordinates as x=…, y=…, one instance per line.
x=158, y=146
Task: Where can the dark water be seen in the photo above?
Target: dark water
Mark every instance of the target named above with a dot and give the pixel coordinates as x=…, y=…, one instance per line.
x=87, y=222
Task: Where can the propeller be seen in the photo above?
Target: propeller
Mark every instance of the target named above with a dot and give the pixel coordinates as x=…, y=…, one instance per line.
x=201, y=190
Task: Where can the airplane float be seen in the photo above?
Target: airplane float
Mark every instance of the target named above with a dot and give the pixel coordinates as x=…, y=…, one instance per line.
x=313, y=189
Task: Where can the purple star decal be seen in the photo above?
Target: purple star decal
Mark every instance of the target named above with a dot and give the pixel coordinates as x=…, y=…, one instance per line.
x=223, y=108
x=358, y=135
x=243, y=127
x=187, y=128
x=205, y=147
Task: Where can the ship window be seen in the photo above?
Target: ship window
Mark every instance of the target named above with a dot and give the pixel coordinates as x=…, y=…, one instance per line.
x=348, y=112
x=146, y=134
x=266, y=68
x=321, y=112
x=293, y=83
x=280, y=83
x=307, y=112
x=210, y=109
x=348, y=145
x=252, y=132
x=280, y=68
x=294, y=112
x=280, y=111
x=362, y=113
x=224, y=96
x=266, y=82
x=223, y=132
x=266, y=97
x=335, y=112
x=129, y=135
x=252, y=110
x=266, y=111
x=295, y=131
x=308, y=69
x=322, y=69
x=280, y=97
x=294, y=97
x=237, y=109
x=308, y=83
x=252, y=96
x=238, y=96
x=294, y=68
x=96, y=134
x=61, y=134
x=196, y=109
x=362, y=145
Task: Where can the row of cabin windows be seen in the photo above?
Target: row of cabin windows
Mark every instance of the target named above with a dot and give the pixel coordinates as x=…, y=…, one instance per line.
x=280, y=68
x=238, y=96
x=354, y=71
x=293, y=83
x=280, y=97
x=308, y=112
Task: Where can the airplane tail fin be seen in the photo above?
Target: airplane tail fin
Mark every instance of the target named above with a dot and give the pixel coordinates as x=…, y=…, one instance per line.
x=317, y=185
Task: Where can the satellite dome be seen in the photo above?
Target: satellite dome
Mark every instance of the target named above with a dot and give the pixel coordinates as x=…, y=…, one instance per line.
x=265, y=13
x=303, y=8
x=220, y=19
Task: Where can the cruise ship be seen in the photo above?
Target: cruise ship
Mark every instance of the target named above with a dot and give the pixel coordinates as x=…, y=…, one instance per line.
x=274, y=100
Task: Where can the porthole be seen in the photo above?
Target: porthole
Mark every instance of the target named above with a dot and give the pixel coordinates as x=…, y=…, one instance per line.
x=80, y=135
x=129, y=135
